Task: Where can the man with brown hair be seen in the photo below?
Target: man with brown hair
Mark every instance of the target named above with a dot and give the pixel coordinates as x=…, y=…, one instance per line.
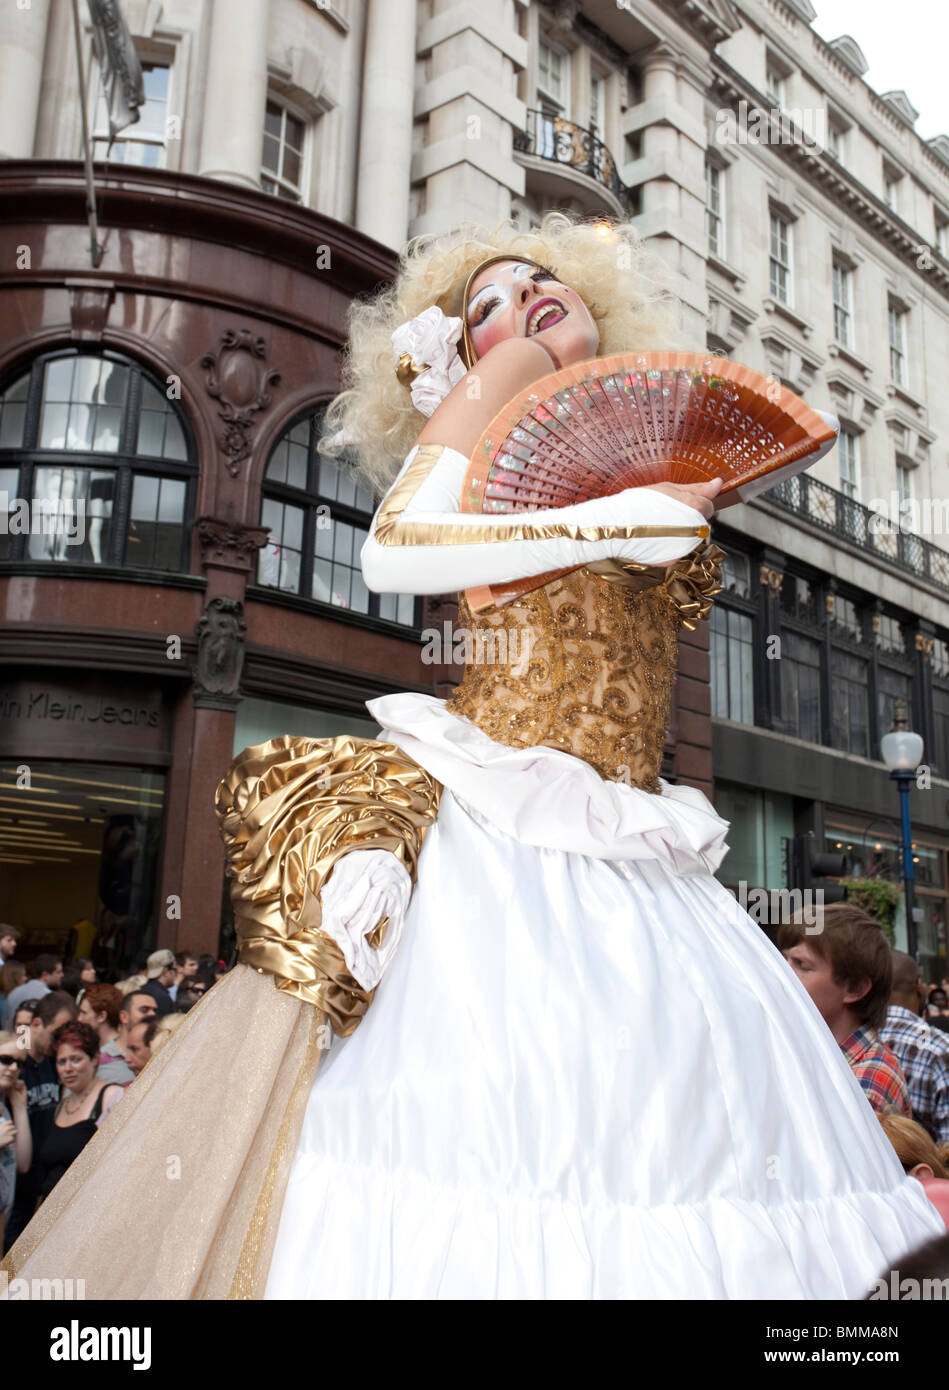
x=846, y=969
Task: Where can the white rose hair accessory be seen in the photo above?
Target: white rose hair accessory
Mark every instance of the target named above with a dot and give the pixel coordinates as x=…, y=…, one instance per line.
x=426, y=357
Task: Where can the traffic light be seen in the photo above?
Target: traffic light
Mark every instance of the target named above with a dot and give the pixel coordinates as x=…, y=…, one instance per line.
x=814, y=869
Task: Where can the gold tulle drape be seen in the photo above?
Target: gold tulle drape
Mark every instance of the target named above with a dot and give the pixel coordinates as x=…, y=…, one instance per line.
x=179, y=1194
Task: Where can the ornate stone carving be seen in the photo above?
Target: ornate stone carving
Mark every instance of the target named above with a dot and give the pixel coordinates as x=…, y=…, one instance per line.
x=217, y=672
x=228, y=545
x=238, y=378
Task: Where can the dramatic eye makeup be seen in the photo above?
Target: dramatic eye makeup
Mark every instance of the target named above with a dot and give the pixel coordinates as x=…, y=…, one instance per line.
x=488, y=298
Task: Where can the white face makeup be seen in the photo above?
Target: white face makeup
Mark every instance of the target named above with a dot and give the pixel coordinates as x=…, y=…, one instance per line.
x=513, y=299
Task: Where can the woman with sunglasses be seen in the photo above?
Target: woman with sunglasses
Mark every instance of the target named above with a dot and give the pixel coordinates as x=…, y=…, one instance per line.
x=16, y=1145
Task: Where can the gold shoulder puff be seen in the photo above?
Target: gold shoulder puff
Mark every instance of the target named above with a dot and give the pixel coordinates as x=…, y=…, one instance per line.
x=288, y=809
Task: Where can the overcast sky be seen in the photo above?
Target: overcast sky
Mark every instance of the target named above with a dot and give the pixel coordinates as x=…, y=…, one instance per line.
x=905, y=42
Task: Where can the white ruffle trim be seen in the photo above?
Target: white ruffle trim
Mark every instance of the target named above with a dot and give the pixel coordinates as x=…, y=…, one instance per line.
x=478, y=1242
x=541, y=796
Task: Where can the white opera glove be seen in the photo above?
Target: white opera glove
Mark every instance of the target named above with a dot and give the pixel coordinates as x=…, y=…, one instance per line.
x=365, y=886
x=425, y=545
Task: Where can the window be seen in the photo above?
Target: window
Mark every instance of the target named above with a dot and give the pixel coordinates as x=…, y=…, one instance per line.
x=942, y=236
x=776, y=84
x=318, y=516
x=891, y=686
x=282, y=159
x=904, y=495
x=849, y=709
x=87, y=441
x=848, y=456
x=144, y=142
x=891, y=187
x=897, y=329
x=714, y=208
x=780, y=277
x=798, y=598
x=800, y=686
x=847, y=619
x=836, y=141
x=735, y=575
x=597, y=86
x=843, y=301
x=552, y=73
x=731, y=637
x=941, y=729
x=889, y=635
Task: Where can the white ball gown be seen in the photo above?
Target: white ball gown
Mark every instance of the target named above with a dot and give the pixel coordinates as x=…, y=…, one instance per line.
x=585, y=1072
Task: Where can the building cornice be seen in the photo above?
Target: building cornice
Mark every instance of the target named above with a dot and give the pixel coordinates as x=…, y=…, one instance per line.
x=176, y=204
x=843, y=190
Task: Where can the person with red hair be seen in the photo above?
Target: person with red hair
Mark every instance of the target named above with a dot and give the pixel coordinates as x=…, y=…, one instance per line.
x=85, y=1103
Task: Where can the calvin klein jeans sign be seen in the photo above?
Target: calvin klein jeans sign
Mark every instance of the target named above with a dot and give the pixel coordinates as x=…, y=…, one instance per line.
x=96, y=719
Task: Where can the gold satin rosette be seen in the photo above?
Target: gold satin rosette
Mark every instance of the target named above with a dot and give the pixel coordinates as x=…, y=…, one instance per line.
x=691, y=583
x=288, y=809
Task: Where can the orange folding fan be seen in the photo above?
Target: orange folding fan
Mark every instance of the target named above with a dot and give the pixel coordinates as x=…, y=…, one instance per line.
x=635, y=420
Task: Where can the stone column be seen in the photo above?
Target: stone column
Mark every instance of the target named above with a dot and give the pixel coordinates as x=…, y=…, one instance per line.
x=22, y=46
x=385, y=129
x=235, y=96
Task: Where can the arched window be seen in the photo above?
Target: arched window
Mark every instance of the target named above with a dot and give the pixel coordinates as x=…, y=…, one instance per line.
x=318, y=517
x=95, y=465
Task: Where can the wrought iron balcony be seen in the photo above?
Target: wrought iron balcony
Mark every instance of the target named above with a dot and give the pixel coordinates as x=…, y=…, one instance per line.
x=833, y=511
x=563, y=142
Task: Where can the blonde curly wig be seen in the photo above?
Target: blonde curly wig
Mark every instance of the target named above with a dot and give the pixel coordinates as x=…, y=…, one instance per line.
x=623, y=284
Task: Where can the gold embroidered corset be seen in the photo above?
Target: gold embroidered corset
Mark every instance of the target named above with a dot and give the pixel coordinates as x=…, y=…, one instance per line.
x=586, y=664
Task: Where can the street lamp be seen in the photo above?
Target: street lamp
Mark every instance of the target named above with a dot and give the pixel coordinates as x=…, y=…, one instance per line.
x=903, y=752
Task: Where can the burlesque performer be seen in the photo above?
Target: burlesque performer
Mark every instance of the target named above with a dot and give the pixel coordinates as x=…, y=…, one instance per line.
x=509, y=902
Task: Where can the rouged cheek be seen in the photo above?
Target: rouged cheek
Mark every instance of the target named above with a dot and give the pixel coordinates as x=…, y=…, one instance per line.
x=498, y=327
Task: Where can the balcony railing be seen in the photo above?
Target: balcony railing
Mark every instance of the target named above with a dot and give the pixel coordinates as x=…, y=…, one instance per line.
x=833, y=511
x=553, y=138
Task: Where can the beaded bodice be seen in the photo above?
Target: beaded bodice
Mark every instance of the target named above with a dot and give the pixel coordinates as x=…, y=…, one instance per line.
x=585, y=665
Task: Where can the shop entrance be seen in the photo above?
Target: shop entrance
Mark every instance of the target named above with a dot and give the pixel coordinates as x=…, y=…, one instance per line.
x=80, y=848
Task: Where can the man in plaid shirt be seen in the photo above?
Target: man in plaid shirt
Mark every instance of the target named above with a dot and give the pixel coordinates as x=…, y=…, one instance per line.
x=847, y=970
x=922, y=1051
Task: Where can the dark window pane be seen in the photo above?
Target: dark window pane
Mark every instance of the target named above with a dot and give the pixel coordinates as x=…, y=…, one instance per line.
x=175, y=445
x=277, y=465
x=272, y=119
x=297, y=464
x=12, y=420
x=151, y=433
x=71, y=515
x=271, y=155
x=291, y=166
x=57, y=379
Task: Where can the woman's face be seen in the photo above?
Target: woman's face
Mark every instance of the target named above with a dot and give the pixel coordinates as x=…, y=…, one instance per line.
x=76, y=1068
x=88, y=974
x=513, y=299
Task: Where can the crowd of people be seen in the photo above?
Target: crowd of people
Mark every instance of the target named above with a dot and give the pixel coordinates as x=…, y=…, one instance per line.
x=70, y=1045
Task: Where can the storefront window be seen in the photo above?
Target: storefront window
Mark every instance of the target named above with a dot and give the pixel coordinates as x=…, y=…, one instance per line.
x=761, y=823
x=79, y=855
